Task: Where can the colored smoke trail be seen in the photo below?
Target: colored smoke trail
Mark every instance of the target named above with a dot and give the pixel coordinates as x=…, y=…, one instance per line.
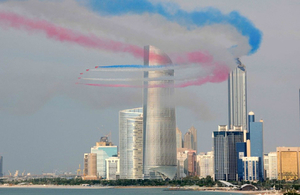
x=202, y=18
x=203, y=59
x=63, y=34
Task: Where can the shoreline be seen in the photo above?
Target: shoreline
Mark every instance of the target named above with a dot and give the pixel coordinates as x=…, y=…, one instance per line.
x=269, y=192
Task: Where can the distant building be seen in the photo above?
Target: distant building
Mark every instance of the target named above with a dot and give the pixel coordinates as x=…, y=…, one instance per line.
x=131, y=143
x=112, y=168
x=181, y=163
x=178, y=138
x=104, y=149
x=270, y=164
x=237, y=97
x=190, y=139
x=251, y=168
x=205, y=163
x=1, y=166
x=288, y=163
x=256, y=138
x=224, y=141
x=186, y=162
x=90, y=166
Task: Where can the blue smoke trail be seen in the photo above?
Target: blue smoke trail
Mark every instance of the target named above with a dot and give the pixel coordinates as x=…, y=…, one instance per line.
x=207, y=16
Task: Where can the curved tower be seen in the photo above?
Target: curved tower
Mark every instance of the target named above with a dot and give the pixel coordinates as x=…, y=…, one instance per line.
x=159, y=126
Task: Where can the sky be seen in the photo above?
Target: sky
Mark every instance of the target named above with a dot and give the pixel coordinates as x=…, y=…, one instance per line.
x=48, y=121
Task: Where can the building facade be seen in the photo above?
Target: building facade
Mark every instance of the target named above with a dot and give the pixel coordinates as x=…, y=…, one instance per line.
x=90, y=166
x=205, y=163
x=190, y=139
x=237, y=97
x=159, y=123
x=103, y=152
x=288, y=163
x=182, y=163
x=131, y=143
x=112, y=168
x=251, y=168
x=225, y=152
x=256, y=138
x=178, y=138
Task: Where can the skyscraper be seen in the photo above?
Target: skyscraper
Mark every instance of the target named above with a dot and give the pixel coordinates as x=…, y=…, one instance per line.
x=237, y=97
x=159, y=118
x=178, y=138
x=190, y=139
x=256, y=138
x=90, y=166
x=225, y=151
x=206, y=165
x=131, y=143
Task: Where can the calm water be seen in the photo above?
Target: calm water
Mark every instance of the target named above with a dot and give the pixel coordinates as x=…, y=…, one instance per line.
x=149, y=191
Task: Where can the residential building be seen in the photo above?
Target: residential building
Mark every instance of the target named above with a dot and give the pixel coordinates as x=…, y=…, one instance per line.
x=205, y=163
x=251, y=168
x=112, y=168
x=90, y=166
x=131, y=143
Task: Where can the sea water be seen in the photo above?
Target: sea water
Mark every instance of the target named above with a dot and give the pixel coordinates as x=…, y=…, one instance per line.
x=107, y=191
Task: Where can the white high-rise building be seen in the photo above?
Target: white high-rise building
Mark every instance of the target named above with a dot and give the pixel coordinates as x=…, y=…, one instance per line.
x=159, y=117
x=131, y=143
x=237, y=97
x=112, y=168
x=205, y=164
x=270, y=164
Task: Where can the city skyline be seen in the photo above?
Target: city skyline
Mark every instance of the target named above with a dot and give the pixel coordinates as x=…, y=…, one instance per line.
x=58, y=122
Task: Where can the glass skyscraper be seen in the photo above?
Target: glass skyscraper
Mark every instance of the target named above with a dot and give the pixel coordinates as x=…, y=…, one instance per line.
x=225, y=152
x=131, y=143
x=159, y=118
x=256, y=138
x=237, y=97
x=1, y=166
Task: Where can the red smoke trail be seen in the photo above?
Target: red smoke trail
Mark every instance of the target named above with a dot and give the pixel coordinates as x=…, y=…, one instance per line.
x=204, y=59
x=63, y=34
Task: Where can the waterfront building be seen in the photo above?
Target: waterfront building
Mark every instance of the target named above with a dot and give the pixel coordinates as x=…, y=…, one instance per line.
x=256, y=138
x=272, y=166
x=241, y=150
x=131, y=143
x=90, y=166
x=1, y=166
x=159, y=123
x=205, y=163
x=112, y=168
x=251, y=168
x=181, y=163
x=190, y=139
x=288, y=163
x=224, y=141
x=237, y=97
x=104, y=149
x=178, y=138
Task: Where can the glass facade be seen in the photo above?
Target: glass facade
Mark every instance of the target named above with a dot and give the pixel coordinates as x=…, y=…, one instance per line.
x=159, y=118
x=1, y=166
x=131, y=143
x=257, y=149
x=225, y=152
x=241, y=150
x=251, y=168
x=103, y=152
x=237, y=97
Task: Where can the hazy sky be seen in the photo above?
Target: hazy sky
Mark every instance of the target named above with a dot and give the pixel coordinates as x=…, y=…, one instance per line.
x=48, y=122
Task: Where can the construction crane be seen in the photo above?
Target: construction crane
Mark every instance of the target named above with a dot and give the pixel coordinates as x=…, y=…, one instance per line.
x=9, y=173
x=16, y=173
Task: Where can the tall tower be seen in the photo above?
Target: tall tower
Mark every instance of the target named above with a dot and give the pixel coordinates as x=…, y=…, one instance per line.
x=159, y=119
x=178, y=138
x=237, y=97
x=1, y=166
